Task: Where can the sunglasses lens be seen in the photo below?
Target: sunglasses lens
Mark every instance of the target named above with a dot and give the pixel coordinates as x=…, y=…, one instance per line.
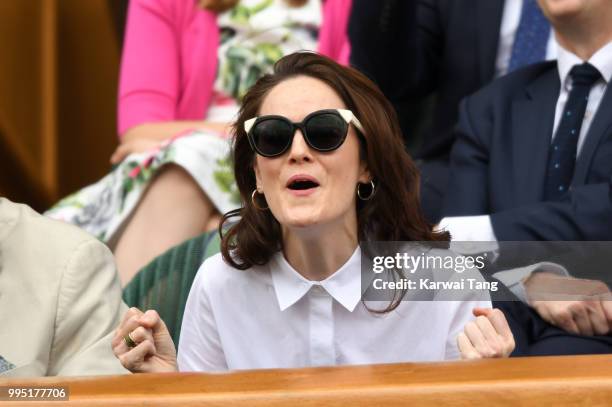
x=326, y=131
x=271, y=137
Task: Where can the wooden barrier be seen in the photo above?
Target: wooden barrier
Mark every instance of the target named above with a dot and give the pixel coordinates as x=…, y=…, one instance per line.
x=559, y=381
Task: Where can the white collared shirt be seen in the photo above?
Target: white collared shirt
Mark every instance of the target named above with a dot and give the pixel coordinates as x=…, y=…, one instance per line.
x=271, y=317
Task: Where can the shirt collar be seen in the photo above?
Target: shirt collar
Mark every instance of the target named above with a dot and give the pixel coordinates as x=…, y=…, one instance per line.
x=602, y=60
x=344, y=285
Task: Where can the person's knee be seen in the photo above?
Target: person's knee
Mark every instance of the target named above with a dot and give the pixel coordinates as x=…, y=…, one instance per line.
x=172, y=183
x=174, y=191
x=175, y=175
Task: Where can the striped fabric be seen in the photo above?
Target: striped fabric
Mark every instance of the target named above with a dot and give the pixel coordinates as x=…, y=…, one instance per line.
x=163, y=285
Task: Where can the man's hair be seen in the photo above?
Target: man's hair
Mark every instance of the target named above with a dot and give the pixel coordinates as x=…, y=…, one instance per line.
x=219, y=6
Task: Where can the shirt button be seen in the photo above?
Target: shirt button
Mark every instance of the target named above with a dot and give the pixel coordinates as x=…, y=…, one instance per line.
x=317, y=289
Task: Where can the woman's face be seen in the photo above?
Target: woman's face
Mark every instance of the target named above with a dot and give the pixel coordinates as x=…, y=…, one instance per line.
x=330, y=198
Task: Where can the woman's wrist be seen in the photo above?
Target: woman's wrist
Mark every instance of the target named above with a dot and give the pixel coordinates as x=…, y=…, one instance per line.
x=162, y=131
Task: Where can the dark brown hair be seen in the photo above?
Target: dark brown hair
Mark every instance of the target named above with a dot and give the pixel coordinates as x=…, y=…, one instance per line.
x=219, y=6
x=394, y=212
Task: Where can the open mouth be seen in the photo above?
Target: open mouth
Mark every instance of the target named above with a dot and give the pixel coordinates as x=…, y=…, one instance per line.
x=302, y=184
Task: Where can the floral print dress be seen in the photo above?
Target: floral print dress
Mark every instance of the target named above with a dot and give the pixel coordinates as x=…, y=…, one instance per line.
x=254, y=35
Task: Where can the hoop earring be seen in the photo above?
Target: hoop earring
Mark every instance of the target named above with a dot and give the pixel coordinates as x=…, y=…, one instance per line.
x=372, y=191
x=259, y=208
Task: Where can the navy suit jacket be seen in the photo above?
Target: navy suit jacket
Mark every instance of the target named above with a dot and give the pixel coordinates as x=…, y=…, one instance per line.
x=415, y=48
x=499, y=162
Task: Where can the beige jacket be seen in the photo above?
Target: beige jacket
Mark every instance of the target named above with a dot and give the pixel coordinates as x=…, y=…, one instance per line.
x=60, y=298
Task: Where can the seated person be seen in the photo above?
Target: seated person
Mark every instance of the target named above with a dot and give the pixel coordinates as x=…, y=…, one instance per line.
x=532, y=153
x=443, y=50
x=185, y=67
x=532, y=156
x=60, y=298
x=320, y=166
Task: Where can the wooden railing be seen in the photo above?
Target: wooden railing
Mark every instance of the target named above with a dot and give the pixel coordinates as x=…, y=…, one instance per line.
x=558, y=381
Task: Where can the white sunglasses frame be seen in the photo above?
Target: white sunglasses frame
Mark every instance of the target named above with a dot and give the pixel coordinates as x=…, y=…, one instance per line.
x=348, y=116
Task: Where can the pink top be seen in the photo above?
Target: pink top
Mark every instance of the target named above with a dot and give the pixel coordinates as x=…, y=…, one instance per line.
x=176, y=42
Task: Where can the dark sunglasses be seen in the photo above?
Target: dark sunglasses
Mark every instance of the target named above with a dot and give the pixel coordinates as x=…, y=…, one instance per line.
x=323, y=130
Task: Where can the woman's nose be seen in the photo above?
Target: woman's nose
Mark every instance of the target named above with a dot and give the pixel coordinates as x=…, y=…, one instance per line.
x=299, y=150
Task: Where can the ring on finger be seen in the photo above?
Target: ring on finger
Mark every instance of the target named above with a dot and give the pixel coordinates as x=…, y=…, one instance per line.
x=129, y=341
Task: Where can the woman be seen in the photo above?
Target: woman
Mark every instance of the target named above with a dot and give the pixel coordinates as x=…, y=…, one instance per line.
x=186, y=65
x=320, y=167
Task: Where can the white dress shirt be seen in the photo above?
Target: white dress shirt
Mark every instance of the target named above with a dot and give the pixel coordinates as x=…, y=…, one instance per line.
x=479, y=228
x=271, y=317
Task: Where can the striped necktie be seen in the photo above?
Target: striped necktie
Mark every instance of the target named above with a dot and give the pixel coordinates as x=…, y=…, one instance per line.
x=531, y=37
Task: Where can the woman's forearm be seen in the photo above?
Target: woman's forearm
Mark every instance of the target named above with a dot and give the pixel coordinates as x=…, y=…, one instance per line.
x=165, y=130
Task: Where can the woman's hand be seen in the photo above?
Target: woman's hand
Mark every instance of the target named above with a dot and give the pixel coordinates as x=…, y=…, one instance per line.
x=154, y=351
x=488, y=336
x=136, y=145
x=151, y=135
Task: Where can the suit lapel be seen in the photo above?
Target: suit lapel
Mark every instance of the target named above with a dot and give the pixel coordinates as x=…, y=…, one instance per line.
x=533, y=114
x=601, y=123
x=489, y=15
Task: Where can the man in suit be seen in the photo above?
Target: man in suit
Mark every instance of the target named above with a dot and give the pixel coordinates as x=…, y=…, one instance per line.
x=533, y=156
x=447, y=48
x=513, y=133
x=60, y=298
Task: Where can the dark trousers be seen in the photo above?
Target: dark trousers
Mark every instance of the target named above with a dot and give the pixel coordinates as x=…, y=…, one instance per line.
x=536, y=337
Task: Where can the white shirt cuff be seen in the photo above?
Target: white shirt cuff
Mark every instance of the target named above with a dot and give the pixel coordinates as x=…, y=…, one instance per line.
x=514, y=279
x=469, y=228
